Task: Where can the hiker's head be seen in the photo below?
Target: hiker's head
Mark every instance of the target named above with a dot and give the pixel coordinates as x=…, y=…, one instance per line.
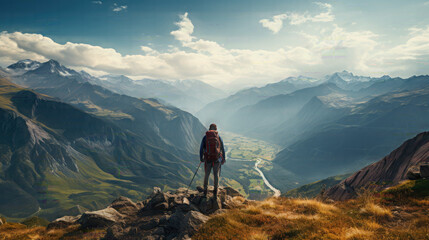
x=212, y=127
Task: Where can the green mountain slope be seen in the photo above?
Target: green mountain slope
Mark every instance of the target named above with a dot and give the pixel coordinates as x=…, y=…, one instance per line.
x=54, y=157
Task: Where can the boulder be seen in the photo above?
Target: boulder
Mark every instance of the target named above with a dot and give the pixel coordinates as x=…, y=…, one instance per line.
x=175, y=220
x=219, y=211
x=101, y=218
x=163, y=221
x=424, y=170
x=413, y=173
x=191, y=223
x=181, y=202
x=114, y=232
x=209, y=205
x=158, y=201
x=229, y=191
x=161, y=206
x=125, y=206
x=63, y=222
x=148, y=225
x=155, y=191
x=160, y=231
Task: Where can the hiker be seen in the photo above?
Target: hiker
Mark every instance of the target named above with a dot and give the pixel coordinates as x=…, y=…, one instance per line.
x=212, y=153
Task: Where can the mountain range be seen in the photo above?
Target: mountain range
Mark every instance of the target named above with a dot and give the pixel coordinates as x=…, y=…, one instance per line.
x=333, y=125
x=68, y=145
x=325, y=127
x=189, y=95
x=158, y=124
x=349, y=136
x=221, y=110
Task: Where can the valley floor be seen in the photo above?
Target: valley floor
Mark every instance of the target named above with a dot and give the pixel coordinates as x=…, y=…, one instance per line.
x=247, y=161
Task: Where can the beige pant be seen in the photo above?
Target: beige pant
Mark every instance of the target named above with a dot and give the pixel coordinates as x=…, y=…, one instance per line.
x=216, y=170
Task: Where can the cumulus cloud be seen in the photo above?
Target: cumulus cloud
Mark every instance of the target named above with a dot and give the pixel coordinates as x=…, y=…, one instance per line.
x=275, y=24
x=408, y=58
x=186, y=28
x=97, y=2
x=118, y=8
x=146, y=49
x=333, y=49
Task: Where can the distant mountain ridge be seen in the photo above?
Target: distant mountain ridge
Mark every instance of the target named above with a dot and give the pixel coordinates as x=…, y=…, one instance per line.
x=160, y=125
x=247, y=97
x=189, y=95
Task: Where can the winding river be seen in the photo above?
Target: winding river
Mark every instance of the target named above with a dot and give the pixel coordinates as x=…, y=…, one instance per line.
x=258, y=161
x=275, y=190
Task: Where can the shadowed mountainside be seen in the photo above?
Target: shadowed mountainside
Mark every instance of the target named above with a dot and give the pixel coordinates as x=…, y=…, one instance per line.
x=389, y=171
x=367, y=131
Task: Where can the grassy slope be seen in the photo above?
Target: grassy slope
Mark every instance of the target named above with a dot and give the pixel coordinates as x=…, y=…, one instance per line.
x=398, y=213
x=92, y=189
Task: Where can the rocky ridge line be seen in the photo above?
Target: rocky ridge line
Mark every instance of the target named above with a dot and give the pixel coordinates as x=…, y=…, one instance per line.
x=163, y=215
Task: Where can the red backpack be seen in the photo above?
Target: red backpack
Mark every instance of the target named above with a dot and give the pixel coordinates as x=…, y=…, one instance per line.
x=213, y=151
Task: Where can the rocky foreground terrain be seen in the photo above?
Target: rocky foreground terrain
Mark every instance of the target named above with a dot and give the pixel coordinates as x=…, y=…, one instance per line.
x=163, y=215
x=399, y=212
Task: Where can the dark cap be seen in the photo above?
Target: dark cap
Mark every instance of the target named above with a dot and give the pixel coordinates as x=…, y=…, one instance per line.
x=213, y=127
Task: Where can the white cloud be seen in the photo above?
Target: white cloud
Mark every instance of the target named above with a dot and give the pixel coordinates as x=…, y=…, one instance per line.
x=118, y=8
x=97, y=2
x=408, y=58
x=146, y=49
x=333, y=49
x=186, y=28
x=276, y=24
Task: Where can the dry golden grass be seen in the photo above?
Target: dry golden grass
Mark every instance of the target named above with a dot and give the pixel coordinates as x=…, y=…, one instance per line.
x=313, y=206
x=282, y=218
x=15, y=231
x=370, y=216
x=356, y=233
x=376, y=210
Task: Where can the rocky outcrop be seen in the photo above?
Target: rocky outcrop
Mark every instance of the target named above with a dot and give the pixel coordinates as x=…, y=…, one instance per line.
x=63, y=222
x=163, y=215
x=101, y=218
x=424, y=170
x=409, y=161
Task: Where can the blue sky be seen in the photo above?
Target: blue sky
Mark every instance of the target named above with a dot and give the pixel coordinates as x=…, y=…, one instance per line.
x=220, y=42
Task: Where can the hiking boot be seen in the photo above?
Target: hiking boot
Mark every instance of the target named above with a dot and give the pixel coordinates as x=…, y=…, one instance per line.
x=215, y=195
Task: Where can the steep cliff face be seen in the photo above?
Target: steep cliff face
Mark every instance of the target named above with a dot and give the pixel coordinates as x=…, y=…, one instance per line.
x=388, y=171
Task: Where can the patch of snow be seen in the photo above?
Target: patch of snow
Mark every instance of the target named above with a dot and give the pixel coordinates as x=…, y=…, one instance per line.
x=64, y=73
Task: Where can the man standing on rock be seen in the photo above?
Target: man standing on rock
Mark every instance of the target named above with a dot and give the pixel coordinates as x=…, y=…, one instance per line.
x=212, y=153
